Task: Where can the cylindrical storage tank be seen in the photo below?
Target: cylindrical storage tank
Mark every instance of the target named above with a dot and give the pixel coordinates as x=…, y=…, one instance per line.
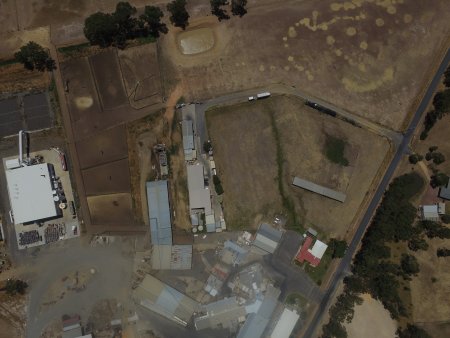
x=200, y=227
x=194, y=230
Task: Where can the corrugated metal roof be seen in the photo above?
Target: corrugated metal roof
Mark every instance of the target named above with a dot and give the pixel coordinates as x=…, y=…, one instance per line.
x=159, y=213
x=188, y=112
x=256, y=323
x=285, y=324
x=172, y=257
x=318, y=249
x=199, y=197
x=318, y=189
x=224, y=312
x=270, y=232
x=444, y=192
x=188, y=134
x=165, y=300
x=265, y=243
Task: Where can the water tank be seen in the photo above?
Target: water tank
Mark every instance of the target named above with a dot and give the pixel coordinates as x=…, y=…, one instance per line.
x=200, y=227
x=194, y=230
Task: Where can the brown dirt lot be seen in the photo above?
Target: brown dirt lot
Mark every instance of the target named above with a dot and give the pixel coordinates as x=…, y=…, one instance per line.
x=342, y=52
x=106, y=146
x=114, y=209
x=430, y=307
x=371, y=320
x=108, y=79
x=112, y=177
x=14, y=78
x=141, y=74
x=245, y=154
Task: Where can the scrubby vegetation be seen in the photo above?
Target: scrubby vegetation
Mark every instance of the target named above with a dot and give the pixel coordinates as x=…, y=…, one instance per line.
x=334, y=150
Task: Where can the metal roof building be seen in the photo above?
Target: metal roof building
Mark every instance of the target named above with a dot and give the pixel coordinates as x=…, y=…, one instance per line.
x=267, y=238
x=188, y=139
x=226, y=313
x=318, y=189
x=285, y=325
x=172, y=257
x=199, y=197
x=313, y=255
x=444, y=192
x=159, y=213
x=31, y=193
x=165, y=300
x=256, y=323
x=430, y=212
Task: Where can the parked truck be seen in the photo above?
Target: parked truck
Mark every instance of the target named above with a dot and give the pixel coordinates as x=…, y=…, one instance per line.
x=262, y=95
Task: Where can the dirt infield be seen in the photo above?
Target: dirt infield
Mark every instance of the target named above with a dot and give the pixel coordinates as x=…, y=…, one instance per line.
x=346, y=53
x=106, y=146
x=112, y=177
x=82, y=99
x=108, y=79
x=246, y=159
x=141, y=75
x=113, y=209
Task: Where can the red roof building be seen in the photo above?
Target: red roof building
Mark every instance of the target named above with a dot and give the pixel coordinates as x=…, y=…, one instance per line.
x=313, y=255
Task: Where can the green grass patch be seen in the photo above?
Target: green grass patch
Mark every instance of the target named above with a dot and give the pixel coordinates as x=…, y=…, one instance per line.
x=317, y=273
x=334, y=150
x=8, y=62
x=146, y=39
x=74, y=49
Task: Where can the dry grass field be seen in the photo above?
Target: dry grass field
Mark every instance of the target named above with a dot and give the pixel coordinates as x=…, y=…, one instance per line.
x=112, y=209
x=246, y=158
x=343, y=52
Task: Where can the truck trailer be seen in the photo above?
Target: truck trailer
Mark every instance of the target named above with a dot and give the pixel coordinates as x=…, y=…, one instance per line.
x=262, y=95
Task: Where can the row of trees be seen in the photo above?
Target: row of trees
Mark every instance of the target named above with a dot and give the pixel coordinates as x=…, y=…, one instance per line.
x=106, y=29
x=35, y=57
x=373, y=272
x=238, y=7
x=441, y=105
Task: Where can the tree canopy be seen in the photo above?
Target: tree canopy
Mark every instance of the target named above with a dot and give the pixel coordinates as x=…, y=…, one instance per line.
x=180, y=16
x=217, y=10
x=238, y=7
x=152, y=18
x=14, y=286
x=35, y=57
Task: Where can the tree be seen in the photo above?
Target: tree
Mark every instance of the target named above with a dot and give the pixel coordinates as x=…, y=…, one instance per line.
x=438, y=158
x=100, y=29
x=412, y=331
x=180, y=16
x=432, y=148
x=417, y=243
x=445, y=219
x=14, y=286
x=447, y=77
x=33, y=56
x=123, y=18
x=409, y=264
x=334, y=329
x=152, y=17
x=207, y=146
x=337, y=248
x=414, y=158
x=443, y=252
x=439, y=180
x=441, y=102
x=238, y=7
x=217, y=10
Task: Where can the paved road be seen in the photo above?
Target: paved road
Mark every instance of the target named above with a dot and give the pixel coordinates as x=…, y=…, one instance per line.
x=242, y=96
x=401, y=151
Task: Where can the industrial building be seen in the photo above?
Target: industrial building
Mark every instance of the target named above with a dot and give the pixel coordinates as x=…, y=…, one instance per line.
x=285, y=324
x=257, y=322
x=199, y=196
x=232, y=253
x=312, y=255
x=31, y=193
x=159, y=212
x=267, y=238
x=172, y=257
x=225, y=313
x=165, y=256
x=318, y=189
x=444, y=192
x=165, y=300
x=187, y=128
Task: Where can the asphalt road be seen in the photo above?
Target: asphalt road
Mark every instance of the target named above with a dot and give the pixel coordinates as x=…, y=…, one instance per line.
x=401, y=151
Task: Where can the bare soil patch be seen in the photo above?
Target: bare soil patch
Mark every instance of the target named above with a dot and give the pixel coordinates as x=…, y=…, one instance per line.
x=371, y=320
x=246, y=159
x=346, y=54
x=112, y=177
x=15, y=78
x=106, y=146
x=141, y=75
x=108, y=79
x=112, y=209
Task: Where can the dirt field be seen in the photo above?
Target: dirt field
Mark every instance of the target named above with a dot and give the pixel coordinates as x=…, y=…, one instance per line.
x=108, y=79
x=342, y=52
x=371, y=320
x=112, y=177
x=141, y=75
x=429, y=307
x=246, y=159
x=113, y=209
x=106, y=146
x=14, y=78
